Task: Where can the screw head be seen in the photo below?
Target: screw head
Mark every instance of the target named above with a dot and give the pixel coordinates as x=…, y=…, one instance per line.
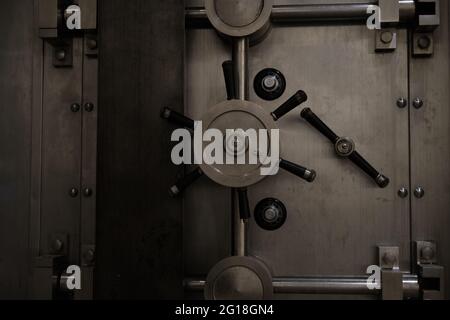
x=57, y=245
x=424, y=42
x=61, y=55
x=271, y=214
x=73, y=192
x=89, y=256
x=418, y=103
x=270, y=83
x=92, y=44
x=389, y=258
x=386, y=37
x=402, y=103
x=87, y=192
x=89, y=107
x=419, y=192
x=427, y=253
x=403, y=193
x=75, y=107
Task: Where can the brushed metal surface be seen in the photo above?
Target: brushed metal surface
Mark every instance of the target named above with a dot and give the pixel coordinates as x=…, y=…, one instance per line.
x=430, y=145
x=207, y=224
x=337, y=222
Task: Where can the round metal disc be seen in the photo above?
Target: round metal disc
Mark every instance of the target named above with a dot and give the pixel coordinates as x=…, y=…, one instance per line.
x=238, y=13
x=239, y=278
x=234, y=115
x=239, y=18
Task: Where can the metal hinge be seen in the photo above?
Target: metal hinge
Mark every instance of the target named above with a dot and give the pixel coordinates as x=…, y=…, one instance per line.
x=61, y=20
x=426, y=20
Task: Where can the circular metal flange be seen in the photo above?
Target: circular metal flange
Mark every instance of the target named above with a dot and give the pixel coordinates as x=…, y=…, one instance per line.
x=269, y=84
x=344, y=147
x=270, y=214
x=239, y=278
x=239, y=18
x=235, y=115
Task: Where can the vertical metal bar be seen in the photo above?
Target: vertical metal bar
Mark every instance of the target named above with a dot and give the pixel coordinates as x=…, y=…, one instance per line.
x=239, y=228
x=240, y=68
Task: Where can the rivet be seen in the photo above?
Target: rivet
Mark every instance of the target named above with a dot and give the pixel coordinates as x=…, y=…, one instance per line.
x=60, y=54
x=418, y=103
x=89, y=107
x=424, y=42
x=403, y=193
x=75, y=107
x=419, y=192
x=73, y=192
x=402, y=103
x=386, y=37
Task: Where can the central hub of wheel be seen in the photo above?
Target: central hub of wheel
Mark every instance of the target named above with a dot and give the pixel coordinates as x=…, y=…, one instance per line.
x=236, y=144
x=240, y=122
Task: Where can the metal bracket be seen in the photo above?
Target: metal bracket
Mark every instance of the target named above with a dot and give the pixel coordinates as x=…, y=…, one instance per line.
x=428, y=15
x=431, y=275
x=389, y=12
x=385, y=40
x=388, y=257
x=423, y=44
x=63, y=53
x=391, y=277
x=428, y=19
x=53, y=15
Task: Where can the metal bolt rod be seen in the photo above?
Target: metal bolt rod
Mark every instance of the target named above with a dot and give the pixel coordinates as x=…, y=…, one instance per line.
x=356, y=285
x=317, y=13
x=239, y=228
x=240, y=72
x=240, y=67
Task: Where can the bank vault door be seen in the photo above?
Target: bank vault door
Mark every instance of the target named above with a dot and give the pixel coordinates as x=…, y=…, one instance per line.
x=352, y=215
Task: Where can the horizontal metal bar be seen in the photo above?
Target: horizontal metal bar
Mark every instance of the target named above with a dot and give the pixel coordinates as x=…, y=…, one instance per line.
x=316, y=13
x=356, y=285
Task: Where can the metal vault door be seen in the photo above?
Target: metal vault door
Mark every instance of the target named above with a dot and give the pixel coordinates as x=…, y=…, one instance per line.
x=335, y=225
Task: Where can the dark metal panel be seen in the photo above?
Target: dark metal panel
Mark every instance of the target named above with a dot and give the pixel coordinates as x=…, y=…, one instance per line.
x=139, y=228
x=61, y=151
x=16, y=73
x=89, y=152
x=430, y=144
x=89, y=165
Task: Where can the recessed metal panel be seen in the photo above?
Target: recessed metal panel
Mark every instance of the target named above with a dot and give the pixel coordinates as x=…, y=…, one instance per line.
x=61, y=151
